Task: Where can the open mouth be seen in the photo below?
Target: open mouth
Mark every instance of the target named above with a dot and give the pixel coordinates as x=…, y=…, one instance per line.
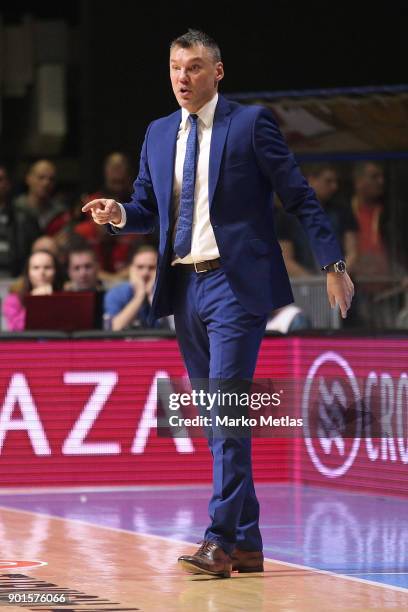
x=184, y=91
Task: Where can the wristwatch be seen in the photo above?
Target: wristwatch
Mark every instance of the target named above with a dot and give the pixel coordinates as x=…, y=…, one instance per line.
x=338, y=266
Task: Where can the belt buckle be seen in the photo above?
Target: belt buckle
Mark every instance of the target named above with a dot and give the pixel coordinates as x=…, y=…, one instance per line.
x=199, y=271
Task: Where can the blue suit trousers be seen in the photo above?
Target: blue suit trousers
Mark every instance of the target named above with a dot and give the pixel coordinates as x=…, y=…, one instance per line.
x=219, y=339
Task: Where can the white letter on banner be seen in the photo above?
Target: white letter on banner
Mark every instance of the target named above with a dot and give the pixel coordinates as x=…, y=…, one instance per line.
x=387, y=410
x=74, y=444
x=148, y=422
x=402, y=410
x=372, y=451
x=19, y=393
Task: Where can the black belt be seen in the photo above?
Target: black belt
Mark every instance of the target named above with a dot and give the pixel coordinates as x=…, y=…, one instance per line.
x=201, y=266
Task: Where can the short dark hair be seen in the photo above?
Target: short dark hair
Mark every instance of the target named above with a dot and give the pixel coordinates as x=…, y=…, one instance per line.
x=141, y=248
x=318, y=168
x=360, y=167
x=79, y=249
x=197, y=37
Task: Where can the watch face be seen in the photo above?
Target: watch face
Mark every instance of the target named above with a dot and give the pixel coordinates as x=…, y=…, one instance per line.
x=340, y=266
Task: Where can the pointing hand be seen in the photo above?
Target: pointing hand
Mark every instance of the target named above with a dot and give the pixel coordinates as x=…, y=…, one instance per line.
x=104, y=211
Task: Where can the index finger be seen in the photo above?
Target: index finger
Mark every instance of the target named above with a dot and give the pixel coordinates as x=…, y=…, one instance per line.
x=343, y=308
x=91, y=205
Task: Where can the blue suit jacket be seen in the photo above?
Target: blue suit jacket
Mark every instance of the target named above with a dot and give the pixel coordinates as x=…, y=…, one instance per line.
x=249, y=160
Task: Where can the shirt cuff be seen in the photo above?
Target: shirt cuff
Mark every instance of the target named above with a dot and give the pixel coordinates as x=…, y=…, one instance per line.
x=123, y=218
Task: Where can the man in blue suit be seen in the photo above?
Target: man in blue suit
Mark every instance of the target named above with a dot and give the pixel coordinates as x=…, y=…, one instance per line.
x=208, y=172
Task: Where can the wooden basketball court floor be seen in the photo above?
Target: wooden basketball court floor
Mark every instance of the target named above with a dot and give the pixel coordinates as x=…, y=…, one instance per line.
x=117, y=550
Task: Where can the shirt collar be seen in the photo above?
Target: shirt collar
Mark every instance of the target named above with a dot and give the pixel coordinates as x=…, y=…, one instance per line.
x=206, y=113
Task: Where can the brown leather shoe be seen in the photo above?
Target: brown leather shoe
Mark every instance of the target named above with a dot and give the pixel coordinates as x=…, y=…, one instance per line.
x=208, y=559
x=245, y=561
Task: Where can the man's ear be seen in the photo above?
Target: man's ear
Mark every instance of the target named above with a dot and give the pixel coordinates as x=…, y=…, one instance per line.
x=219, y=73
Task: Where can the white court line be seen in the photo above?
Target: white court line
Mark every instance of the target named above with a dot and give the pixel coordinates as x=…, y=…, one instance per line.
x=382, y=573
x=344, y=576
x=130, y=488
x=167, y=539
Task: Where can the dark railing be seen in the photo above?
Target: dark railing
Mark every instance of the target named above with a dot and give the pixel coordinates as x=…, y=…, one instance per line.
x=379, y=305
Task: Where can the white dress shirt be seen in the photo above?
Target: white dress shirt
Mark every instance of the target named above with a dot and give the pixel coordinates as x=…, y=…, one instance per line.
x=203, y=244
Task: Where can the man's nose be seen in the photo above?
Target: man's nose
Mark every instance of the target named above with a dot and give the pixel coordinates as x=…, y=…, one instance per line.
x=183, y=75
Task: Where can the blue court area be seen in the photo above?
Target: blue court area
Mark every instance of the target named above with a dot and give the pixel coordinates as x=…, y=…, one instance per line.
x=359, y=535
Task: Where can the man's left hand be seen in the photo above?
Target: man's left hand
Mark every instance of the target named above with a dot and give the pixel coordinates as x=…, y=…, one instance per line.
x=340, y=290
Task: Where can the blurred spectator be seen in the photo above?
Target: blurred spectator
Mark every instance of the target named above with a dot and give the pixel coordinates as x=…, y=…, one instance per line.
x=288, y=319
x=128, y=304
x=299, y=258
x=59, y=246
x=83, y=276
x=49, y=212
x=370, y=211
x=112, y=251
x=18, y=230
x=82, y=270
x=323, y=178
x=117, y=177
x=45, y=243
x=41, y=276
x=381, y=267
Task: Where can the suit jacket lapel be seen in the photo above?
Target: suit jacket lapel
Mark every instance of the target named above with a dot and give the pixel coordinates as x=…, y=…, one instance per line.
x=220, y=128
x=166, y=154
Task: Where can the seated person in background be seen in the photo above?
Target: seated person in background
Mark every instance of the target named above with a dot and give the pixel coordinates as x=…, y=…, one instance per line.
x=41, y=276
x=382, y=263
x=66, y=242
x=18, y=230
x=299, y=259
x=128, y=304
x=117, y=178
x=298, y=256
x=323, y=178
x=43, y=243
x=369, y=208
x=82, y=270
x=49, y=212
x=112, y=251
x=288, y=319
